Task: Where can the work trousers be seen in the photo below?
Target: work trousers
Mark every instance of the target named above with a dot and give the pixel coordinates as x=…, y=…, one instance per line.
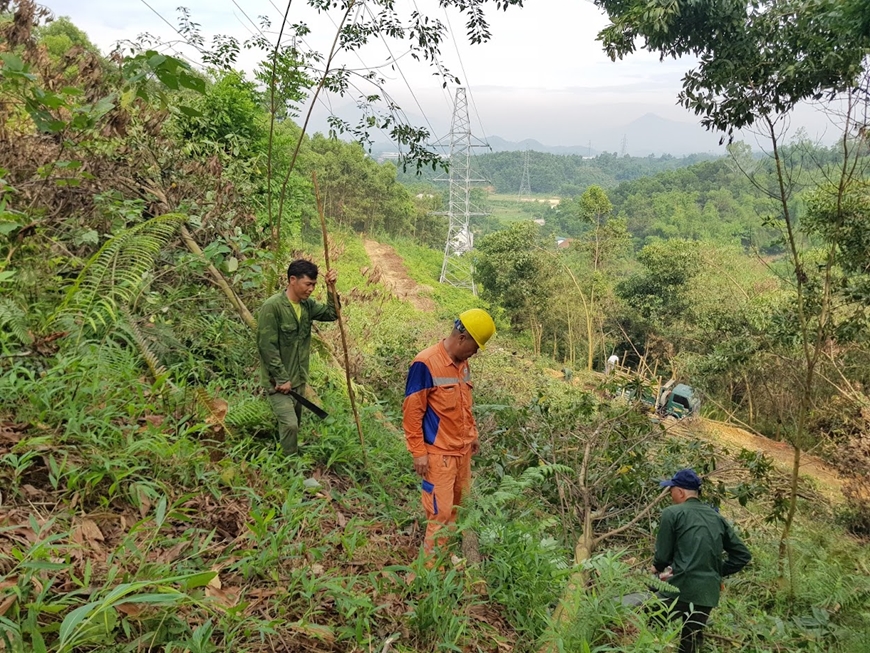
x=694, y=618
x=289, y=414
x=446, y=483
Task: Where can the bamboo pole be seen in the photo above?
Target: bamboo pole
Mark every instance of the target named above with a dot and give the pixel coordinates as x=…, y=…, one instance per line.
x=341, y=328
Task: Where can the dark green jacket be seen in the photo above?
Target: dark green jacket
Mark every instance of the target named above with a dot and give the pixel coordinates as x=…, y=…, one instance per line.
x=285, y=342
x=701, y=547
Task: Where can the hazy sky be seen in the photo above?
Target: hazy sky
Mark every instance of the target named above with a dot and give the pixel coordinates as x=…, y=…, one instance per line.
x=542, y=75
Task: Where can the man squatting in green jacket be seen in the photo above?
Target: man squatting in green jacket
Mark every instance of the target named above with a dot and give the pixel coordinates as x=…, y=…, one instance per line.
x=284, y=343
x=695, y=549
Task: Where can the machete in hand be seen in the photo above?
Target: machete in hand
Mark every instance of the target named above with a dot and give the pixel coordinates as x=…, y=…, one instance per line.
x=314, y=408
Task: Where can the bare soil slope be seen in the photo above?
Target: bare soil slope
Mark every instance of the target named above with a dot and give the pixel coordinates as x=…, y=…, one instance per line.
x=826, y=479
x=394, y=274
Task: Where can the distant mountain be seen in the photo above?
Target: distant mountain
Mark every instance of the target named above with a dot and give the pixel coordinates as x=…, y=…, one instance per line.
x=649, y=134
x=498, y=144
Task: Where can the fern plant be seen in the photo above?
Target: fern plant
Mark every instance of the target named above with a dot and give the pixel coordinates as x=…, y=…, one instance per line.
x=114, y=275
x=13, y=320
x=251, y=414
x=216, y=410
x=157, y=369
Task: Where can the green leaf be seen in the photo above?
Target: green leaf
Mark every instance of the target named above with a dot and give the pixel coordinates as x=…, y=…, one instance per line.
x=88, y=237
x=161, y=511
x=155, y=60
x=7, y=228
x=53, y=608
x=68, y=165
x=44, y=565
x=11, y=62
x=103, y=106
x=51, y=100
x=168, y=78
x=232, y=264
x=190, y=111
x=45, y=122
x=5, y=275
x=156, y=598
x=198, y=580
x=191, y=82
x=73, y=620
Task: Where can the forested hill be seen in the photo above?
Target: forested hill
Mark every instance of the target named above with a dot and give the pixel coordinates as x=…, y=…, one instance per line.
x=719, y=200
x=556, y=174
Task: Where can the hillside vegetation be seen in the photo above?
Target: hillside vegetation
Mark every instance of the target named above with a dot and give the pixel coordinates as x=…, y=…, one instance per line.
x=146, y=210
x=553, y=174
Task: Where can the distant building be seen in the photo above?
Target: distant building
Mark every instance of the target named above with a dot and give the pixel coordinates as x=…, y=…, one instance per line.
x=389, y=156
x=563, y=243
x=463, y=241
x=553, y=201
x=540, y=222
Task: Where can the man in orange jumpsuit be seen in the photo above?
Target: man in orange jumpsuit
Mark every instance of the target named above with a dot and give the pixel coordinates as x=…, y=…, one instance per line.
x=439, y=428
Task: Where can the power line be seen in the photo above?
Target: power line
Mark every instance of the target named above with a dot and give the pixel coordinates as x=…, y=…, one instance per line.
x=400, y=114
x=183, y=37
x=441, y=72
x=256, y=27
x=241, y=22
x=405, y=79
x=351, y=84
x=327, y=102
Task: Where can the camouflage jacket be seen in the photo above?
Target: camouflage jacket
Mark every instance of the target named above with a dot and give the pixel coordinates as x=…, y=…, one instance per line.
x=284, y=342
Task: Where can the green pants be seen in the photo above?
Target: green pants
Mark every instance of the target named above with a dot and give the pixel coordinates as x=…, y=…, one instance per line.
x=289, y=414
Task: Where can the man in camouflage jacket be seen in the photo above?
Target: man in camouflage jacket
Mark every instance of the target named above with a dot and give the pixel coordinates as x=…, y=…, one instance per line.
x=284, y=343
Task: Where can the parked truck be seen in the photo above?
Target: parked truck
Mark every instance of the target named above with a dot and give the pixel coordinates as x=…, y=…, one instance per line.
x=673, y=399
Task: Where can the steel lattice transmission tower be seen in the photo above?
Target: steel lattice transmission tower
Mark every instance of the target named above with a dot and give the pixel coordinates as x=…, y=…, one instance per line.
x=525, y=185
x=457, y=269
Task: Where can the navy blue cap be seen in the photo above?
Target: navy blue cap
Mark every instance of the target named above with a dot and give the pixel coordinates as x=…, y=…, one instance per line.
x=685, y=478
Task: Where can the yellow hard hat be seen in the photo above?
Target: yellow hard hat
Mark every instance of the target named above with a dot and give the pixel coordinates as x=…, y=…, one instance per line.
x=479, y=325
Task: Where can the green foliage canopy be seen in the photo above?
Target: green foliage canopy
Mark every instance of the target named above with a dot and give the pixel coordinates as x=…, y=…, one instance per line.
x=512, y=268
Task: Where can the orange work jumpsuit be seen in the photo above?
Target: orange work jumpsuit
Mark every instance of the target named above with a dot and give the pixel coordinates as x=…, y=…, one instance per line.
x=437, y=421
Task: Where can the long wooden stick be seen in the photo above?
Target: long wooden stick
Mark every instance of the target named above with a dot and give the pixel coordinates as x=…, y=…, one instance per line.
x=341, y=329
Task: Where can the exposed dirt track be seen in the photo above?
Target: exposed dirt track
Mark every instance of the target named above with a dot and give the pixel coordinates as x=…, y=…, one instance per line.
x=394, y=274
x=827, y=480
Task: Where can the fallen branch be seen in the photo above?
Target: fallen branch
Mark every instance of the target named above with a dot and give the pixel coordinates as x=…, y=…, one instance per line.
x=219, y=279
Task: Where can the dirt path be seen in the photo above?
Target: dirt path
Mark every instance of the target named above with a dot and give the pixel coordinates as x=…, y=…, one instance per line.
x=394, y=274
x=827, y=480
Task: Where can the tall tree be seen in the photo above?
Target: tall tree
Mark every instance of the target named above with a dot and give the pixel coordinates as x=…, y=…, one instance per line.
x=604, y=237
x=757, y=59
x=513, y=271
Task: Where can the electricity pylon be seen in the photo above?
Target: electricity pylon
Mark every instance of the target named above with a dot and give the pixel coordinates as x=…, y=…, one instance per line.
x=457, y=269
x=525, y=185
